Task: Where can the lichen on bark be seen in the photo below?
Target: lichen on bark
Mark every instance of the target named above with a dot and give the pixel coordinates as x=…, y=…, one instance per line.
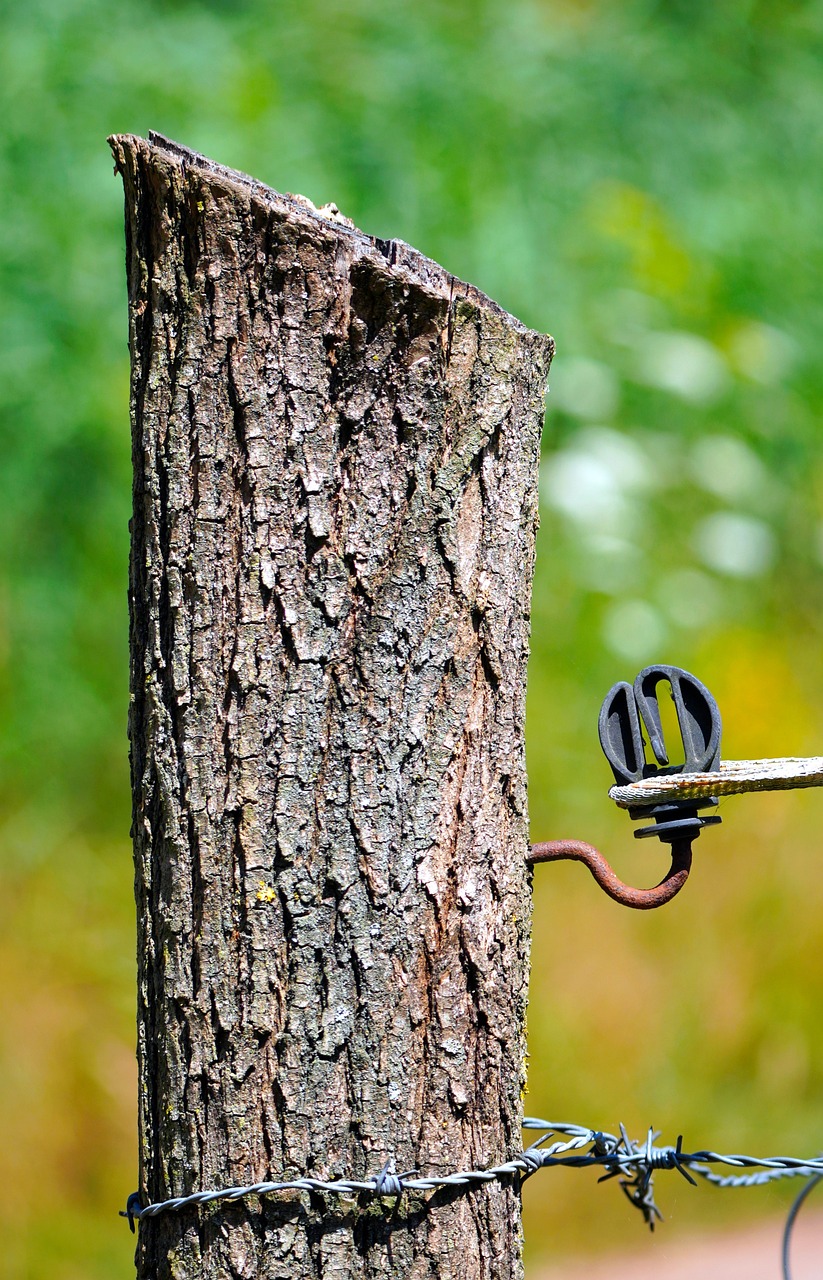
x=335, y=499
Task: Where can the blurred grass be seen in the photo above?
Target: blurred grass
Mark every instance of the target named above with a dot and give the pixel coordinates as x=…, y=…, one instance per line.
x=644, y=181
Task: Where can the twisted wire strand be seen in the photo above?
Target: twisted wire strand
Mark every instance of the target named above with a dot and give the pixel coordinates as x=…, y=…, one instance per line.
x=382, y=1184
x=574, y=1146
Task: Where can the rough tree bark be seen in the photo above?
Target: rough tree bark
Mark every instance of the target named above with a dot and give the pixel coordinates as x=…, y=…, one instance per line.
x=335, y=458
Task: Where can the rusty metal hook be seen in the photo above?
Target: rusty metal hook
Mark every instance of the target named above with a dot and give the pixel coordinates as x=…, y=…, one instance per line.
x=628, y=709
x=640, y=899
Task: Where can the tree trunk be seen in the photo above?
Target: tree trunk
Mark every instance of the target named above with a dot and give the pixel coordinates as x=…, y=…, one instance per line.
x=335, y=500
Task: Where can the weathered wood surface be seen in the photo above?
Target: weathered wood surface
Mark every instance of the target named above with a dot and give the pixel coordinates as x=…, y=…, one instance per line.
x=335, y=499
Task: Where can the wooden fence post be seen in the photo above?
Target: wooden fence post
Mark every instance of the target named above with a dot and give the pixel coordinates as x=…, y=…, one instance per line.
x=335, y=499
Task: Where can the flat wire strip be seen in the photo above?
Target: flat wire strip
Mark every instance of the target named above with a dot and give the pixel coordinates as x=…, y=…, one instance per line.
x=734, y=777
x=635, y=1162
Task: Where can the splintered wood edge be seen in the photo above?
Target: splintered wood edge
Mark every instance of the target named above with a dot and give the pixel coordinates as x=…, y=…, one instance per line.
x=735, y=777
x=393, y=255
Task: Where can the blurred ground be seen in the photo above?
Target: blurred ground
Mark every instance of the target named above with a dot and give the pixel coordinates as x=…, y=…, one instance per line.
x=753, y=1254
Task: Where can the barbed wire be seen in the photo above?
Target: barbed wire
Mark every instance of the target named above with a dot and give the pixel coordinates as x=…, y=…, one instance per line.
x=574, y=1146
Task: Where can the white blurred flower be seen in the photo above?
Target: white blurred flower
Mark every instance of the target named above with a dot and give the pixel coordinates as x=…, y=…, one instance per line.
x=739, y=546
x=634, y=629
x=683, y=363
x=727, y=467
x=584, y=388
x=595, y=479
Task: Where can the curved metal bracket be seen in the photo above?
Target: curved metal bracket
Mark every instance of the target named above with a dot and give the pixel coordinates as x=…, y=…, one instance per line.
x=627, y=711
x=610, y=883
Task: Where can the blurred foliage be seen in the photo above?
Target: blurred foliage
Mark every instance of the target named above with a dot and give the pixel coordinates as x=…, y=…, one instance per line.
x=644, y=180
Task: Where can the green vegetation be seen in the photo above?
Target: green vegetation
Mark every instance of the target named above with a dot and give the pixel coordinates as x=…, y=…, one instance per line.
x=643, y=179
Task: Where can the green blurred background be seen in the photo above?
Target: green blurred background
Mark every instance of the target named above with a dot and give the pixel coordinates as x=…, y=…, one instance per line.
x=643, y=180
